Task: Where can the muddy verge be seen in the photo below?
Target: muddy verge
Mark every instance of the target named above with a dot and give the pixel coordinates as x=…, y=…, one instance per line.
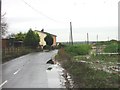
x=68, y=80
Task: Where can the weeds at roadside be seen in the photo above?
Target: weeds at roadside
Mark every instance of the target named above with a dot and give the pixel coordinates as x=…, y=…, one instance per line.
x=84, y=76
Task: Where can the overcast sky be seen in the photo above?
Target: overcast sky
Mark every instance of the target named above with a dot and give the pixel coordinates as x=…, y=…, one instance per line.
x=87, y=16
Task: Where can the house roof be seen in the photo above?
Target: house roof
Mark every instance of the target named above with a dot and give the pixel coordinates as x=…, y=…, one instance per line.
x=46, y=33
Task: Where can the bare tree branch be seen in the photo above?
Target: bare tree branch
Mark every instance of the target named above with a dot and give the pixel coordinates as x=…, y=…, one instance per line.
x=4, y=25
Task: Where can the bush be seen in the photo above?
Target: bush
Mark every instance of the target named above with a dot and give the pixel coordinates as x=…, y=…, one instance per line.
x=111, y=48
x=82, y=49
x=47, y=47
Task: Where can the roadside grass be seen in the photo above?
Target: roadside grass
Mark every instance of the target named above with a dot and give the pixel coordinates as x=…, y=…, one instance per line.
x=62, y=55
x=113, y=59
x=112, y=48
x=83, y=75
x=105, y=58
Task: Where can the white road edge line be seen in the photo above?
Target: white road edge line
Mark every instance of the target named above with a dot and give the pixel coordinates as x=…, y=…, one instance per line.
x=3, y=83
x=16, y=71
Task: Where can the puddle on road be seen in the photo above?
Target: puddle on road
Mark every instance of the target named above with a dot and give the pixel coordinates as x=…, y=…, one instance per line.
x=56, y=77
x=49, y=68
x=50, y=62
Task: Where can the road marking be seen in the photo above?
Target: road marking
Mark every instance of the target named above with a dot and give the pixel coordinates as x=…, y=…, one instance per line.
x=16, y=71
x=3, y=83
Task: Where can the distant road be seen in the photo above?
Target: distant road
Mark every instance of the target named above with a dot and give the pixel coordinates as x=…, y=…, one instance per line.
x=28, y=71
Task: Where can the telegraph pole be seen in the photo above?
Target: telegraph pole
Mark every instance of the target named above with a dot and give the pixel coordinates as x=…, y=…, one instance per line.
x=87, y=38
x=97, y=45
x=108, y=38
x=71, y=37
x=0, y=48
x=0, y=20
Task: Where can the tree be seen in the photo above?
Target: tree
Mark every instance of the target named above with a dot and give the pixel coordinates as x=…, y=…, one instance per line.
x=32, y=39
x=11, y=35
x=20, y=36
x=4, y=25
x=49, y=40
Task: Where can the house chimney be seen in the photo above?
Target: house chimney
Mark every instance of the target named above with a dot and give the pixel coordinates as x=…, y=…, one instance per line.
x=42, y=30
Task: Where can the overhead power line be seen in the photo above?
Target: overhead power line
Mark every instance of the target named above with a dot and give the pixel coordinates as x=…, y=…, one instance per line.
x=39, y=12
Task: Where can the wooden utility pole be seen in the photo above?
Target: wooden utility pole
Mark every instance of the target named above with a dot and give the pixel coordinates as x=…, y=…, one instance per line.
x=97, y=45
x=108, y=38
x=0, y=49
x=0, y=22
x=87, y=38
x=71, y=37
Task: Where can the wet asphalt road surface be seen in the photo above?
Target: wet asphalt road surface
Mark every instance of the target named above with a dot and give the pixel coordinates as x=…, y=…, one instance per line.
x=28, y=71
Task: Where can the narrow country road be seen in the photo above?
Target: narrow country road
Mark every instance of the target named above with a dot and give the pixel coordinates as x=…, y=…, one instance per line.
x=28, y=71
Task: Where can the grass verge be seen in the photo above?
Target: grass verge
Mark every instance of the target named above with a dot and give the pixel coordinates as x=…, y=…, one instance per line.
x=84, y=76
